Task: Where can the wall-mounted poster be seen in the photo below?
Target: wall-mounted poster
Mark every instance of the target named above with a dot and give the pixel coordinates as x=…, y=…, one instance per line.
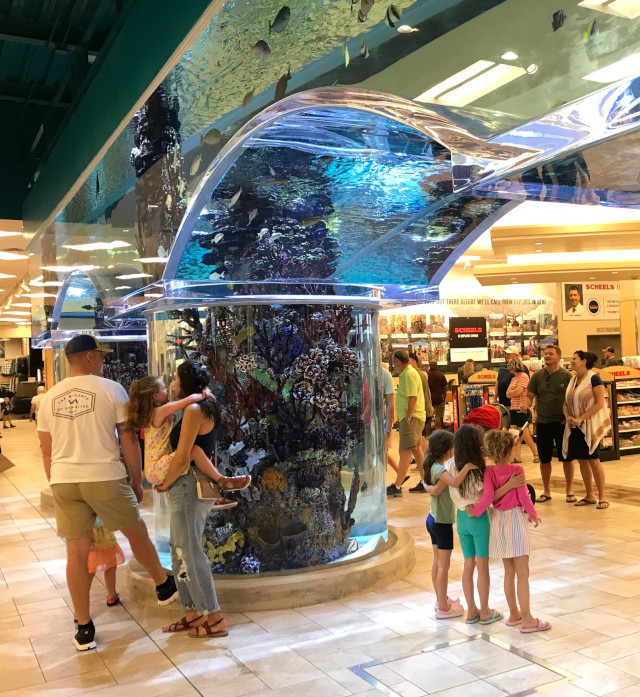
x=468, y=339
x=496, y=347
x=531, y=347
x=591, y=300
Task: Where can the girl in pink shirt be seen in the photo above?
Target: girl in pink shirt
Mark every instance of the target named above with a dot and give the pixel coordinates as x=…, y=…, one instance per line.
x=509, y=538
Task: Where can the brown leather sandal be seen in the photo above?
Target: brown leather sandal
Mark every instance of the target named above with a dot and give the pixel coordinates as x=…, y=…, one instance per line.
x=218, y=629
x=182, y=625
x=234, y=483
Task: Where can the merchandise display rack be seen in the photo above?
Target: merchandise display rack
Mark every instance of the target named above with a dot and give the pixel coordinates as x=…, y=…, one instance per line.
x=626, y=416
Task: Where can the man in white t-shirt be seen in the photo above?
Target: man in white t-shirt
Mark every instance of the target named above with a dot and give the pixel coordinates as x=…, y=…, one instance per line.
x=77, y=423
x=35, y=403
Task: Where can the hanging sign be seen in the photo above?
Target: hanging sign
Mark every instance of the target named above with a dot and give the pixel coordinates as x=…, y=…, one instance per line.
x=484, y=376
x=620, y=372
x=591, y=300
x=468, y=339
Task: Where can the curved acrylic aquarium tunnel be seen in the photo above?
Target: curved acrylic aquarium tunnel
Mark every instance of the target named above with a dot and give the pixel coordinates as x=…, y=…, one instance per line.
x=298, y=382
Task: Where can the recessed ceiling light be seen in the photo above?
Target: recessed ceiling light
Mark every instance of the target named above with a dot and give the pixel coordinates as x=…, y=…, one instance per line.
x=509, y=56
x=592, y=278
x=8, y=233
x=614, y=272
x=95, y=246
x=21, y=305
x=538, y=251
x=538, y=242
x=7, y=275
x=17, y=312
x=533, y=68
x=12, y=256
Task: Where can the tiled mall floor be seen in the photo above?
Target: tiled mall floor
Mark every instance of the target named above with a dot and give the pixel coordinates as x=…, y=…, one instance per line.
x=585, y=580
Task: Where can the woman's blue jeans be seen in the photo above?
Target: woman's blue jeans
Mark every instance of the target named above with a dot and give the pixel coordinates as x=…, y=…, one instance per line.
x=191, y=568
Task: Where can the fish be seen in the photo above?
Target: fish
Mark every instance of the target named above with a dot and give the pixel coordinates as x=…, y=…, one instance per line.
x=557, y=20
x=406, y=29
x=162, y=252
x=310, y=222
x=272, y=172
x=206, y=102
x=252, y=215
x=97, y=185
x=234, y=199
x=215, y=276
x=364, y=487
x=195, y=165
x=275, y=237
x=365, y=8
x=326, y=159
x=218, y=237
x=247, y=98
x=280, y=22
x=346, y=56
x=263, y=232
x=87, y=307
x=363, y=47
x=281, y=87
x=274, y=182
x=212, y=137
x=261, y=48
x=168, y=201
x=392, y=15
x=591, y=32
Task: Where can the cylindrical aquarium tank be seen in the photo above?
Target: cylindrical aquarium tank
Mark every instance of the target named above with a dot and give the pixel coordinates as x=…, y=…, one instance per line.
x=298, y=381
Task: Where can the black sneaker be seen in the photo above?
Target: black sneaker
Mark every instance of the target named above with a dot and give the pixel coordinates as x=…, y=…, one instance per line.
x=393, y=490
x=167, y=592
x=84, y=638
x=418, y=489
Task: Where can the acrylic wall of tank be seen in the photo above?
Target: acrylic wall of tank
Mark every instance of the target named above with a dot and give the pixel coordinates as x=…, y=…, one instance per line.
x=298, y=385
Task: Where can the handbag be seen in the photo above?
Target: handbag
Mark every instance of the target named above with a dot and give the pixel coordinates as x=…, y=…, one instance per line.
x=206, y=488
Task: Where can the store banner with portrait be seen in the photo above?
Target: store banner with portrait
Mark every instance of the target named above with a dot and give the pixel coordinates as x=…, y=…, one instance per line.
x=592, y=300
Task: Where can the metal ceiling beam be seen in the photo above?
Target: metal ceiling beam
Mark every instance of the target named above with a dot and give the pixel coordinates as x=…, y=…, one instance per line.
x=13, y=91
x=39, y=34
x=130, y=66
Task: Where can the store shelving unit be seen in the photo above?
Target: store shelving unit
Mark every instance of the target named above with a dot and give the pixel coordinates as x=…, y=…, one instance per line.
x=627, y=413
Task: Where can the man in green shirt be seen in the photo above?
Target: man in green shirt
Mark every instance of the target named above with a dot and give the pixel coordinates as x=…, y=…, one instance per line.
x=548, y=386
x=411, y=415
x=414, y=362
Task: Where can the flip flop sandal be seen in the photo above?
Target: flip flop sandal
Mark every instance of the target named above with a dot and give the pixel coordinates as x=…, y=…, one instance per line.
x=585, y=502
x=517, y=623
x=542, y=626
x=570, y=498
x=112, y=602
x=602, y=505
x=222, y=504
x=473, y=620
x=182, y=625
x=495, y=617
x=234, y=483
x=536, y=460
x=543, y=498
x=209, y=630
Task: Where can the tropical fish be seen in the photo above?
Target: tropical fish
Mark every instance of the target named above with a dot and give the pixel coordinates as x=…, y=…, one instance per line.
x=234, y=199
x=162, y=252
x=212, y=137
x=346, y=57
x=247, y=98
x=272, y=172
x=195, y=165
x=218, y=237
x=275, y=237
x=326, y=159
x=392, y=15
x=263, y=232
x=591, y=32
x=87, y=307
x=261, y=48
x=168, y=201
x=365, y=8
x=280, y=22
x=558, y=19
x=252, y=215
x=242, y=335
x=215, y=276
x=363, y=48
x=406, y=29
x=364, y=487
x=310, y=222
x=97, y=185
x=281, y=87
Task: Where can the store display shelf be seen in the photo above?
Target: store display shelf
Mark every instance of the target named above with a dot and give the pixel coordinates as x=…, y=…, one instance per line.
x=629, y=386
x=628, y=416
x=630, y=447
x=630, y=401
x=629, y=430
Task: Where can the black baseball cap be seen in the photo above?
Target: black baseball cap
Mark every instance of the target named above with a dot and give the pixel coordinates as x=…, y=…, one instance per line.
x=610, y=349
x=82, y=343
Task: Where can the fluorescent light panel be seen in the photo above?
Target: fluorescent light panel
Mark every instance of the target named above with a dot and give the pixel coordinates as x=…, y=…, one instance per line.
x=95, y=246
x=16, y=312
x=432, y=94
x=628, y=9
x=12, y=256
x=68, y=269
x=153, y=260
x=574, y=257
x=126, y=277
x=493, y=79
x=627, y=67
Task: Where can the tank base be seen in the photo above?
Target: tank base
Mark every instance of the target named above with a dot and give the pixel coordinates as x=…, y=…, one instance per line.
x=389, y=562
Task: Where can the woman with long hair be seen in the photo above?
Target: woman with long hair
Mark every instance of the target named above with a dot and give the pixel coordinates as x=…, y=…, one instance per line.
x=517, y=393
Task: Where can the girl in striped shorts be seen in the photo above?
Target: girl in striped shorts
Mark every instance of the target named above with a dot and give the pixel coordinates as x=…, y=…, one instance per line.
x=509, y=539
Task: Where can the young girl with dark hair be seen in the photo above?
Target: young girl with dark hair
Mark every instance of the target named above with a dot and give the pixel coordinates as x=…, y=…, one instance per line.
x=150, y=409
x=441, y=517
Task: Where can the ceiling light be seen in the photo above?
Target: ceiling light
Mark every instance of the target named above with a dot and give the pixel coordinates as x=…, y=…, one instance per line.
x=41, y=295
x=122, y=288
x=95, y=246
x=7, y=275
x=9, y=319
x=17, y=312
x=592, y=278
x=8, y=233
x=533, y=68
x=128, y=276
x=47, y=283
x=538, y=242
x=613, y=273
x=454, y=80
x=538, y=251
x=575, y=257
x=21, y=305
x=509, y=56
x=406, y=29
x=69, y=269
x=627, y=9
x=481, y=85
x=153, y=260
x=627, y=67
x=153, y=295
x=153, y=205
x=12, y=256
